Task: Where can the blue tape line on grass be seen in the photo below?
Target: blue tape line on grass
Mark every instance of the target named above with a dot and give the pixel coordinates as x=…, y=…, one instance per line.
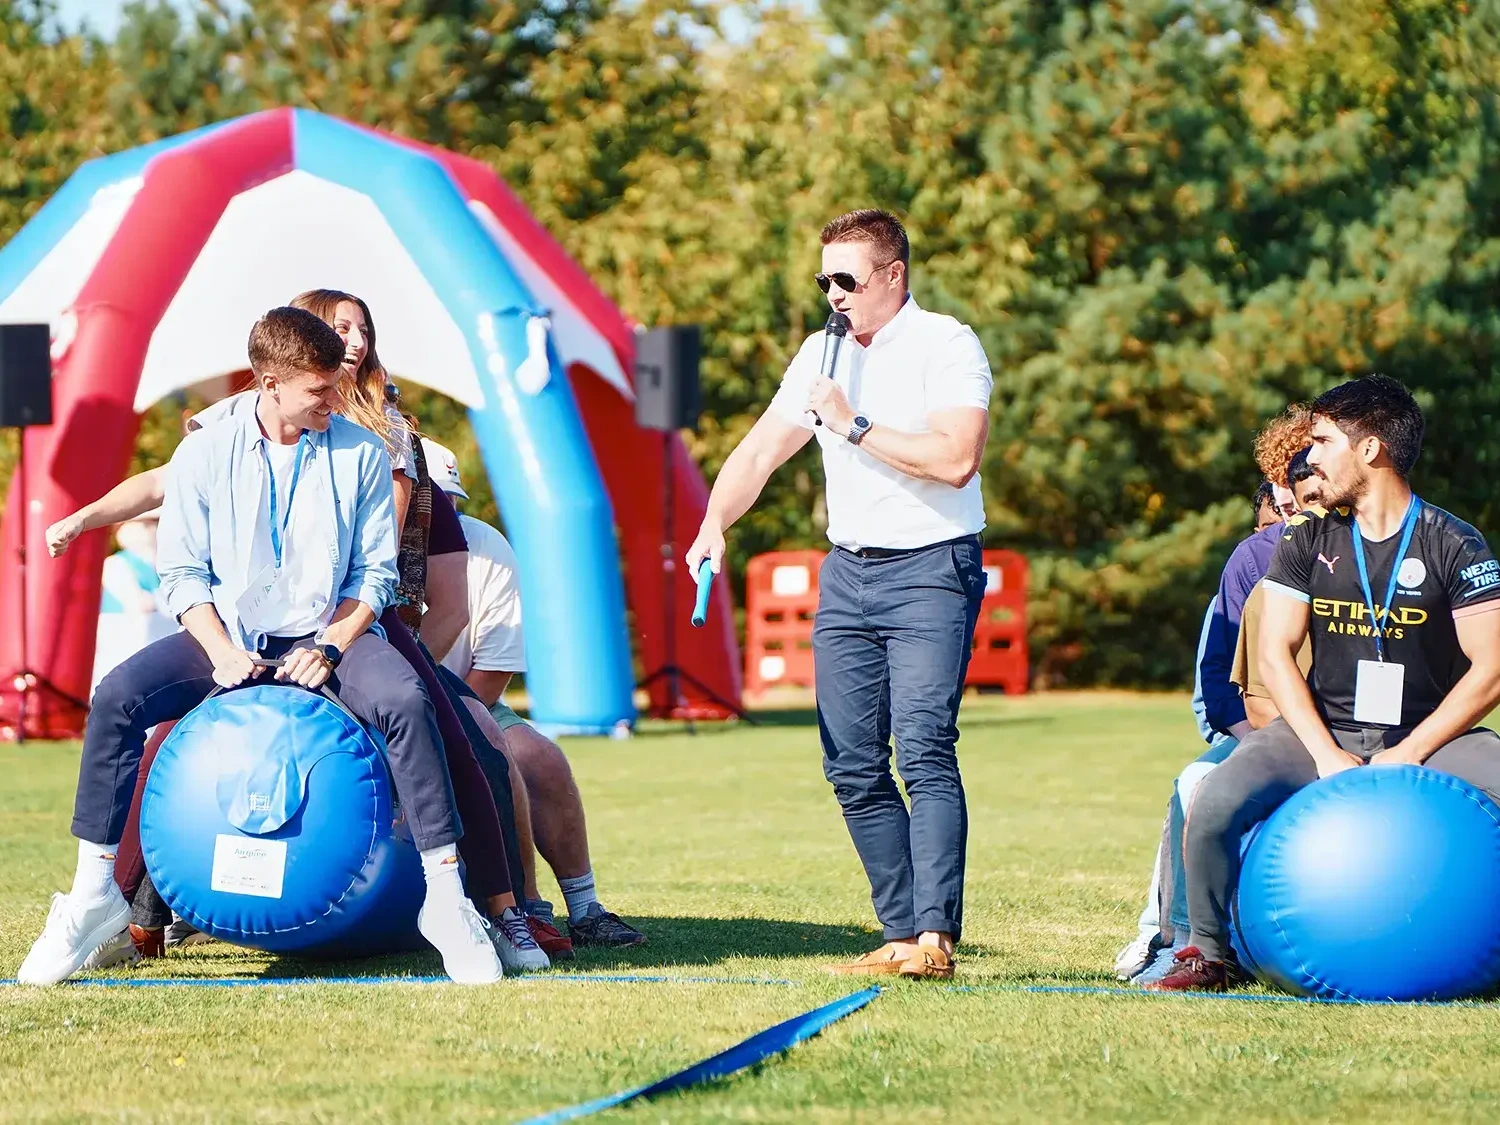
x=1250, y=997
x=267, y=982
x=759, y=1047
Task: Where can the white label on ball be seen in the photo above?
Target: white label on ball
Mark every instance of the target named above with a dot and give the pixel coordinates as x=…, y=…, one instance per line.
x=246, y=866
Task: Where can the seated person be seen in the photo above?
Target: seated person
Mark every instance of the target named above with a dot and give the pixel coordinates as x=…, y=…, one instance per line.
x=1399, y=600
x=1218, y=707
x=486, y=656
x=1264, y=504
x=1259, y=708
x=253, y=565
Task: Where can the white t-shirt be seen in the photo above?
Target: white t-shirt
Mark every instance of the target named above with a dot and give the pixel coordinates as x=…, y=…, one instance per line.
x=918, y=363
x=305, y=609
x=493, y=640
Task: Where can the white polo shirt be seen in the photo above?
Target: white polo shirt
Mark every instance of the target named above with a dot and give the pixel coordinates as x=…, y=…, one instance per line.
x=918, y=363
x=492, y=642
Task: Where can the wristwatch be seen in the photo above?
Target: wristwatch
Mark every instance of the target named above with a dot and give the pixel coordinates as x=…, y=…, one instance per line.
x=858, y=429
x=331, y=654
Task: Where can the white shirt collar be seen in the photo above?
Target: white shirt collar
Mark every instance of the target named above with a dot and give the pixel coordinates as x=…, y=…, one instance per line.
x=897, y=324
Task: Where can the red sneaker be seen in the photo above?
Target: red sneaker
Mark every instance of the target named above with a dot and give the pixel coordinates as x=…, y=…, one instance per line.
x=1195, y=974
x=554, y=945
x=149, y=943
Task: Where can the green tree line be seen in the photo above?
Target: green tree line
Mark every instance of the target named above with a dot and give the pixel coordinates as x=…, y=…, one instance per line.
x=1166, y=219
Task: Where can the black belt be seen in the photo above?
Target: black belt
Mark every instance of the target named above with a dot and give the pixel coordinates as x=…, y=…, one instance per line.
x=897, y=552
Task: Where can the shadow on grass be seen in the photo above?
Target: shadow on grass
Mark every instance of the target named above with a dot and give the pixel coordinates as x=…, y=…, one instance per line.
x=707, y=941
x=671, y=942
x=808, y=717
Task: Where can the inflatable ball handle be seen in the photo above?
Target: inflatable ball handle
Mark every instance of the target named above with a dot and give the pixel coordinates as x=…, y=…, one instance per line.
x=325, y=691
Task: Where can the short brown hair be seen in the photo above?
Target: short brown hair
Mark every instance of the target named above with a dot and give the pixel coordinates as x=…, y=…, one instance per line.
x=882, y=230
x=1284, y=437
x=288, y=341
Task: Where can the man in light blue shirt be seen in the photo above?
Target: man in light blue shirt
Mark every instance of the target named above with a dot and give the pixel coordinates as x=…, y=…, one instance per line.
x=277, y=540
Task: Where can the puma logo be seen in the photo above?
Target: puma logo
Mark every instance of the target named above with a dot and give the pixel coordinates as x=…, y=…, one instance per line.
x=1328, y=562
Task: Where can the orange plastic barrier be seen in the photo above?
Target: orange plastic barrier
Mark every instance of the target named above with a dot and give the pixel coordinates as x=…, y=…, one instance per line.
x=1000, y=657
x=781, y=596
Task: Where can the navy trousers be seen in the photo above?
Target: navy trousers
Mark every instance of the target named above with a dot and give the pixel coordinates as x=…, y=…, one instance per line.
x=891, y=644
x=167, y=679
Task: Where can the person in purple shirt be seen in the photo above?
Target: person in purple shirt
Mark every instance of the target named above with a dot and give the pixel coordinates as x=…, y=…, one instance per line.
x=1221, y=722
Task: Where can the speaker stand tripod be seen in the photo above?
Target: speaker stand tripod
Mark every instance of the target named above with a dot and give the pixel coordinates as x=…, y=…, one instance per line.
x=670, y=671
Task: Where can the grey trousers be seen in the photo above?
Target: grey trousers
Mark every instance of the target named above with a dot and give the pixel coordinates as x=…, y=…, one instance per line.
x=1263, y=772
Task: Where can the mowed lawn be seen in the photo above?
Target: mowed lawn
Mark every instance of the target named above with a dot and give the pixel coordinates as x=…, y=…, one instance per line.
x=727, y=849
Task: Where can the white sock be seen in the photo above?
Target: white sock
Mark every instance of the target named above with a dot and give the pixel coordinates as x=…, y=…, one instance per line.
x=95, y=873
x=440, y=866
x=580, y=895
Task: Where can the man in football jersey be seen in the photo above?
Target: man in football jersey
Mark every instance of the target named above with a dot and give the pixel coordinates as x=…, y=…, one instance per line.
x=1399, y=600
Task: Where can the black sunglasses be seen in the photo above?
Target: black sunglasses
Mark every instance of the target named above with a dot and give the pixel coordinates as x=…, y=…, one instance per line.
x=846, y=281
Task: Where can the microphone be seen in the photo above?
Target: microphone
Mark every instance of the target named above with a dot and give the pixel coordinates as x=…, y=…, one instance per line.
x=833, y=339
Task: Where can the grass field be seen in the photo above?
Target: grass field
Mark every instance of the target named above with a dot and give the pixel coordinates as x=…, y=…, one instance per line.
x=727, y=849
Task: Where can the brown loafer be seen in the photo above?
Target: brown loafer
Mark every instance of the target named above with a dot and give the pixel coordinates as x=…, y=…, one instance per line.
x=885, y=961
x=929, y=962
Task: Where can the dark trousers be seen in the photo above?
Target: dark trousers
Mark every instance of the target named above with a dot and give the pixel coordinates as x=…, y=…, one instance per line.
x=483, y=847
x=1257, y=779
x=167, y=679
x=891, y=645
x=496, y=768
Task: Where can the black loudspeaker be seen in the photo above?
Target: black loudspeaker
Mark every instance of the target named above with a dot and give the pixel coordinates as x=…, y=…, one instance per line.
x=666, y=378
x=25, y=375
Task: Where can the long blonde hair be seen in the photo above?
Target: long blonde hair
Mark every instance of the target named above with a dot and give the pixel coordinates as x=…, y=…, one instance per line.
x=364, y=394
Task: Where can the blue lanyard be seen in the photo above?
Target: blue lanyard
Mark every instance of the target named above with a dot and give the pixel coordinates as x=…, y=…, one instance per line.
x=279, y=526
x=1408, y=525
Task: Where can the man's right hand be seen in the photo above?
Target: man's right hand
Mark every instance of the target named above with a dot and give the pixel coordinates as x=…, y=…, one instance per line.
x=233, y=666
x=709, y=545
x=1337, y=760
x=60, y=535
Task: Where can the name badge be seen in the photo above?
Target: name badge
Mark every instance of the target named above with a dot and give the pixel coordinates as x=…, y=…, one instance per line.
x=264, y=591
x=1377, y=693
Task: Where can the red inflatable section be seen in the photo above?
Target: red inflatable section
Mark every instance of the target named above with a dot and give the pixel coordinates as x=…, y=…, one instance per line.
x=86, y=450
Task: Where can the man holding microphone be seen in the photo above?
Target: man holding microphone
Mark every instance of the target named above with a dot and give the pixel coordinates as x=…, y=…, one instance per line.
x=901, y=411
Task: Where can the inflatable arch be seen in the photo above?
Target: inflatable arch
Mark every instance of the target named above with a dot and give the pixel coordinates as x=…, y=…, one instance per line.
x=151, y=264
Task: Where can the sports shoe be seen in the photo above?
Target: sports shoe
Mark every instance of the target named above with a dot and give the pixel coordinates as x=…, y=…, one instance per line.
x=73, y=931
x=549, y=937
x=1134, y=959
x=1163, y=962
x=118, y=950
x=454, y=928
x=182, y=933
x=1195, y=974
x=604, y=929
x=518, y=950
x=150, y=943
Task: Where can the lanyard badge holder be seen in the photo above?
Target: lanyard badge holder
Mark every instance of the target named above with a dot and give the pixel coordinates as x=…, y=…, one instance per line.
x=265, y=588
x=1378, y=684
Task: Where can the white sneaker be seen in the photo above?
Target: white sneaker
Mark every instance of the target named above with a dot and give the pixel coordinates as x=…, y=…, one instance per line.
x=1131, y=961
x=118, y=950
x=455, y=930
x=518, y=950
x=73, y=931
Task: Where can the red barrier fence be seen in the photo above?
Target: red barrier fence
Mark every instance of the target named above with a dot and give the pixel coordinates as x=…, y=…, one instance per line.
x=781, y=597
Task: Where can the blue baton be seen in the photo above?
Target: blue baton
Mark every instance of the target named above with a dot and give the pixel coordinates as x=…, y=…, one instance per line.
x=705, y=585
